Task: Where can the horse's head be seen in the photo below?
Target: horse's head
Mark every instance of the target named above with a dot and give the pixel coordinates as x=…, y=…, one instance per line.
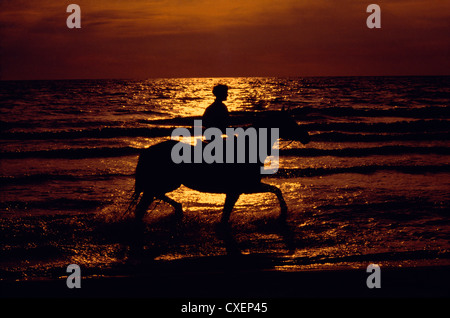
x=288, y=127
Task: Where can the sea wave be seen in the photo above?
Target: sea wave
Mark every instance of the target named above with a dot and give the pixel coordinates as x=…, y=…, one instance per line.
x=393, y=127
x=109, y=132
x=404, y=112
x=53, y=204
x=74, y=153
x=368, y=137
x=366, y=169
x=48, y=177
x=104, y=152
x=418, y=130
x=364, y=152
x=282, y=173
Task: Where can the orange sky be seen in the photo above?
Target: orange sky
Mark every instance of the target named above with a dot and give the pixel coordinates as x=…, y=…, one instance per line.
x=196, y=38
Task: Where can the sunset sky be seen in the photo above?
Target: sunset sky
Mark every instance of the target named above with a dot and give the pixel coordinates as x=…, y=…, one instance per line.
x=202, y=38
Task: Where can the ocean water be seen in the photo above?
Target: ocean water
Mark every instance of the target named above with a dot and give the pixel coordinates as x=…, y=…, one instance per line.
x=372, y=186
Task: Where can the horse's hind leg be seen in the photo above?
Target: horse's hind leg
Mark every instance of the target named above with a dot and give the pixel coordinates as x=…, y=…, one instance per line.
x=230, y=200
x=142, y=206
x=178, y=207
x=273, y=189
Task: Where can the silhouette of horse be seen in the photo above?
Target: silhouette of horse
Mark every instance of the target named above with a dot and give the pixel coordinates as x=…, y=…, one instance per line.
x=157, y=174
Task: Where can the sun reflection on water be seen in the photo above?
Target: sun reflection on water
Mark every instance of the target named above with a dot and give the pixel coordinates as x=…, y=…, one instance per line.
x=193, y=95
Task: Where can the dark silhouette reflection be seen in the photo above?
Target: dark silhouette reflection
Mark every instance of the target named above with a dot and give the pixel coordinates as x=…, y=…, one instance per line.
x=145, y=242
x=148, y=241
x=224, y=232
x=288, y=235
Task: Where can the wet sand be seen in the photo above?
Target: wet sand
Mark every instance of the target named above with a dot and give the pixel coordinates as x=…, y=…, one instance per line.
x=225, y=277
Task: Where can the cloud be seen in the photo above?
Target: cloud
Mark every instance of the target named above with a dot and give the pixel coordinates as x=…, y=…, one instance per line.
x=141, y=38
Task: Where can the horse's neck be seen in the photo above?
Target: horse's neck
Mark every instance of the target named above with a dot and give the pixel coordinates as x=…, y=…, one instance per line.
x=264, y=122
x=267, y=138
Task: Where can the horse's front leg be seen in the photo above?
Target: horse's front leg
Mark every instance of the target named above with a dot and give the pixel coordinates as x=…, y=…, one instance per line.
x=178, y=207
x=143, y=205
x=273, y=189
x=230, y=201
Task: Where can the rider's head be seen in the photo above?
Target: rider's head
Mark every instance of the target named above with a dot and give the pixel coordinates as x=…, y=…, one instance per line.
x=221, y=92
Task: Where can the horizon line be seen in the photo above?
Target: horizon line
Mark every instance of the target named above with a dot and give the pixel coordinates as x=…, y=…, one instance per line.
x=205, y=77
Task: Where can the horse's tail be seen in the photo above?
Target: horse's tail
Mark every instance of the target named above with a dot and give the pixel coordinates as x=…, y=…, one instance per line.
x=140, y=174
x=138, y=185
x=151, y=166
x=133, y=201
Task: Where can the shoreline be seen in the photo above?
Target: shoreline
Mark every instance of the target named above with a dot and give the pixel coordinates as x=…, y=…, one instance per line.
x=218, y=277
